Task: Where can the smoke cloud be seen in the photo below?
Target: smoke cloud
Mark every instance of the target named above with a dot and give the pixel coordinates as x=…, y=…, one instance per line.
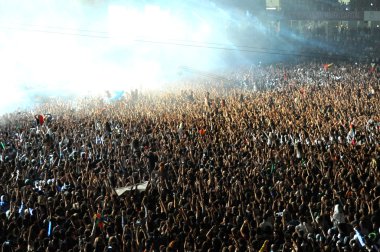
x=72, y=47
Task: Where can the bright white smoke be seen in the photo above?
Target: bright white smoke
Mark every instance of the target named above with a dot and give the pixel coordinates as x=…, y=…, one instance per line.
x=67, y=47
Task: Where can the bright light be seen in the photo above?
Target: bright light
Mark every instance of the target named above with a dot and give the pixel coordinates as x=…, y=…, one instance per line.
x=122, y=24
x=55, y=48
x=128, y=24
x=145, y=75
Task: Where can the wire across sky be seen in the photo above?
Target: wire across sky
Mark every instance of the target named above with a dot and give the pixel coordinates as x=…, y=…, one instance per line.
x=91, y=34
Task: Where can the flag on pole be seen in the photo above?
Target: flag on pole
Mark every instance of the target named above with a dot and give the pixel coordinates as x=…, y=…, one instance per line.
x=327, y=66
x=373, y=67
x=99, y=220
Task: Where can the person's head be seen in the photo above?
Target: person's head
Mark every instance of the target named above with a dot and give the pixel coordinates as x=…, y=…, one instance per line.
x=7, y=246
x=99, y=244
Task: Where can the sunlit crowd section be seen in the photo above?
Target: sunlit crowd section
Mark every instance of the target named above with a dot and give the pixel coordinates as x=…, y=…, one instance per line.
x=275, y=157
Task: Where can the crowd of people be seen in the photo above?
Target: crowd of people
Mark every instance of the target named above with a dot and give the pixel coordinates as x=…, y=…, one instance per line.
x=344, y=41
x=285, y=160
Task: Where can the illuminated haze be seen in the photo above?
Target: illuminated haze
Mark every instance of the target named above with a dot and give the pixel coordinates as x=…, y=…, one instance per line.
x=73, y=47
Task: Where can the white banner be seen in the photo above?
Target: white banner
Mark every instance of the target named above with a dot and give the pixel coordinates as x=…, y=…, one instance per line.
x=139, y=186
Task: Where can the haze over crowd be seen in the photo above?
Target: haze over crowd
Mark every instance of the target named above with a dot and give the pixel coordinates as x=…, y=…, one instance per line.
x=73, y=47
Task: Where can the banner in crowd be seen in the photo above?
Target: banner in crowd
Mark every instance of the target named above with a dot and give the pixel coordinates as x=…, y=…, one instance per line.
x=139, y=186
